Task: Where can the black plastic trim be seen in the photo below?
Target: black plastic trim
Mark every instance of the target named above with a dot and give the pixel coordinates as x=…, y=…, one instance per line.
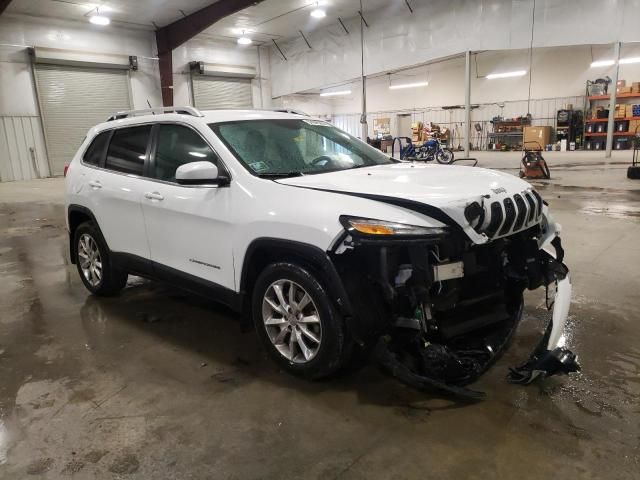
x=85, y=211
x=156, y=271
x=314, y=255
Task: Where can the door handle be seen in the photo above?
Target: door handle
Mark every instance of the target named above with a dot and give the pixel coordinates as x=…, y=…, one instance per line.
x=95, y=184
x=153, y=196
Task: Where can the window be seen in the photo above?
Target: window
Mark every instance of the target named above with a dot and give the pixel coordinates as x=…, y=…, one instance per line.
x=295, y=147
x=178, y=145
x=128, y=149
x=95, y=152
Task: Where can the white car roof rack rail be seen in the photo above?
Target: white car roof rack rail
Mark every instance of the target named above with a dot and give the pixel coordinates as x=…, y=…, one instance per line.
x=194, y=112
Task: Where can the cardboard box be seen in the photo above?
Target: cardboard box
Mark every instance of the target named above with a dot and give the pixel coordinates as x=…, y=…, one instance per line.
x=623, y=90
x=628, y=110
x=633, y=125
x=635, y=87
x=621, y=83
x=541, y=135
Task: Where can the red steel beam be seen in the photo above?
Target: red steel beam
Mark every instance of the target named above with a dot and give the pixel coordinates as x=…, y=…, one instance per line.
x=175, y=34
x=3, y=5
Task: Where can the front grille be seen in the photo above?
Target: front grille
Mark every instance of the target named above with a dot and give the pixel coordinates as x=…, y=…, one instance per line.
x=496, y=219
x=511, y=215
x=522, y=212
x=532, y=207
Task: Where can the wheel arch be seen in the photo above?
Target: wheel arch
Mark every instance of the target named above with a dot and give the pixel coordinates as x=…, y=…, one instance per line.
x=76, y=215
x=264, y=251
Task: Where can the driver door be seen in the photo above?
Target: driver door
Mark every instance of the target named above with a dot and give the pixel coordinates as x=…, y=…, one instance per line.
x=188, y=227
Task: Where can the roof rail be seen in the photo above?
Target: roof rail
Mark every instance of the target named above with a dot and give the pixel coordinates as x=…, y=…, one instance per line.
x=291, y=110
x=194, y=112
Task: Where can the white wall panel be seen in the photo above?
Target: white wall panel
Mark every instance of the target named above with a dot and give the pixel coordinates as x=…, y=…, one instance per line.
x=22, y=149
x=441, y=28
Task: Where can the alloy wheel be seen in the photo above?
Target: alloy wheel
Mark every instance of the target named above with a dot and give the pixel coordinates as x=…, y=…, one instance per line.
x=292, y=321
x=90, y=259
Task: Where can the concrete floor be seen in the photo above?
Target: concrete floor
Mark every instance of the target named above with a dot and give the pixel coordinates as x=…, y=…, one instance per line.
x=158, y=384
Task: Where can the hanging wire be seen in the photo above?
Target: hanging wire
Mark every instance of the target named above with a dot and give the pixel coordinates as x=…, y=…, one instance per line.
x=533, y=24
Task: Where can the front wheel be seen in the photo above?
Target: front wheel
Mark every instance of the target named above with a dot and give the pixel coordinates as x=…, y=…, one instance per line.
x=445, y=156
x=297, y=322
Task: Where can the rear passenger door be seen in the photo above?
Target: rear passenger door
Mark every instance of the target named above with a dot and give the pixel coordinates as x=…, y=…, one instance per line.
x=118, y=187
x=189, y=227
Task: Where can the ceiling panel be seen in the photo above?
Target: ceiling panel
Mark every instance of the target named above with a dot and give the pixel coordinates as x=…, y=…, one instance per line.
x=271, y=19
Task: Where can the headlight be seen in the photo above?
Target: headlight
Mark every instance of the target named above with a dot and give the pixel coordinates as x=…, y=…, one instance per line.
x=369, y=226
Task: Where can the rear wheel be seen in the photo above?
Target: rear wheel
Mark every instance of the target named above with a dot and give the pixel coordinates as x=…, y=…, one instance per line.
x=94, y=262
x=297, y=322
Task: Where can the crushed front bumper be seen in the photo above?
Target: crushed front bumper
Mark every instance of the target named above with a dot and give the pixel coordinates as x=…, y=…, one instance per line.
x=550, y=357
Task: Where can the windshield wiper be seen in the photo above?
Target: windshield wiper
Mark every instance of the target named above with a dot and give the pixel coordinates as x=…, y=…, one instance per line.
x=280, y=174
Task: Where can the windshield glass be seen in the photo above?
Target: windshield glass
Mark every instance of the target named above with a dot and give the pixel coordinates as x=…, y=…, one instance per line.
x=295, y=147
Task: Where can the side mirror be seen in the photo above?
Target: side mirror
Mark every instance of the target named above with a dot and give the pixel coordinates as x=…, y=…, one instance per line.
x=200, y=173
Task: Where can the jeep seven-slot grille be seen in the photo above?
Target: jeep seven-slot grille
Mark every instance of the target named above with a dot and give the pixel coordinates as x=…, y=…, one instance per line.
x=522, y=212
x=511, y=215
x=532, y=206
x=496, y=219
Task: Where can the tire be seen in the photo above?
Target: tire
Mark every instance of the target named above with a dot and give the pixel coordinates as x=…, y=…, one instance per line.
x=98, y=273
x=445, y=156
x=281, y=333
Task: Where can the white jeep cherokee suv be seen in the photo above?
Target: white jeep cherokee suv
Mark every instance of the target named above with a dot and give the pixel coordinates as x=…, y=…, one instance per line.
x=331, y=247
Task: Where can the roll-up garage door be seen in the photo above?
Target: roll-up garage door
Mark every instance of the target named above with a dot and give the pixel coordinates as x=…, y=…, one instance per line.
x=74, y=99
x=211, y=92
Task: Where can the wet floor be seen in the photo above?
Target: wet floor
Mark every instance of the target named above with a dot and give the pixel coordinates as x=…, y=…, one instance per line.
x=159, y=384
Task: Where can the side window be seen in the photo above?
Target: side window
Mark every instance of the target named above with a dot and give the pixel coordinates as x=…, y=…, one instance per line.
x=127, y=150
x=178, y=145
x=95, y=152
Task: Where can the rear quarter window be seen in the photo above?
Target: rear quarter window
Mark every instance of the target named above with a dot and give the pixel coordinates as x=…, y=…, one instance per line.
x=96, y=151
x=128, y=150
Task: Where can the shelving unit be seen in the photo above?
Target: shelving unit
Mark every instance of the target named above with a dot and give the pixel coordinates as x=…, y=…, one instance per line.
x=506, y=131
x=596, y=136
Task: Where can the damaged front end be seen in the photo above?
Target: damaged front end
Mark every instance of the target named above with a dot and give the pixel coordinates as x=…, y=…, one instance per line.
x=439, y=310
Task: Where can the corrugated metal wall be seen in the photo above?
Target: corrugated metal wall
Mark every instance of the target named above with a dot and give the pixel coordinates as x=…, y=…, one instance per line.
x=543, y=112
x=23, y=153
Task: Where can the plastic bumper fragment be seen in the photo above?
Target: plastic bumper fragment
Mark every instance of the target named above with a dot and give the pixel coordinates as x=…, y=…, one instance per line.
x=549, y=357
x=392, y=365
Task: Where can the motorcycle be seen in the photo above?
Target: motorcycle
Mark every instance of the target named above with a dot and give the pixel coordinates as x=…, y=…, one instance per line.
x=434, y=149
x=430, y=150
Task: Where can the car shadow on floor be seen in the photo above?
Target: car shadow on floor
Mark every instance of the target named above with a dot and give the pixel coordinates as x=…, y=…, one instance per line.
x=147, y=312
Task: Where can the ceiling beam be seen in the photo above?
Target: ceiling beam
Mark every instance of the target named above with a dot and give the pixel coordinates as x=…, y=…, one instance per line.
x=3, y=5
x=184, y=29
x=175, y=34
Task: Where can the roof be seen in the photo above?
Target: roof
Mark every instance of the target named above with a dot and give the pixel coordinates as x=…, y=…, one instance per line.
x=207, y=116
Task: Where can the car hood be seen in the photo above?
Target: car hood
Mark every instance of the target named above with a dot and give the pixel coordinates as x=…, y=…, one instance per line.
x=448, y=188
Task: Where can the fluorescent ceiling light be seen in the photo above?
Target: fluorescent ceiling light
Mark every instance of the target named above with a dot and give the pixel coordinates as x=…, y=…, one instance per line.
x=244, y=40
x=628, y=60
x=197, y=154
x=99, y=20
x=517, y=73
x=318, y=13
x=337, y=92
x=603, y=63
x=408, y=85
